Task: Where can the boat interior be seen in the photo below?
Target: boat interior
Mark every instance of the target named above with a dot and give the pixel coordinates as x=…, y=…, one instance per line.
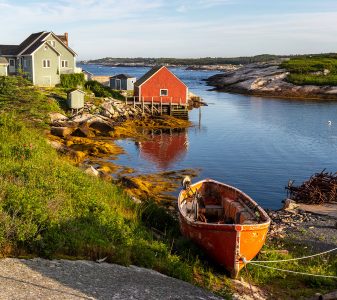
x=212, y=202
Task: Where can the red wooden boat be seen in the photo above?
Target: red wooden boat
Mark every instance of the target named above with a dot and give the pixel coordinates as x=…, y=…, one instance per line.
x=224, y=221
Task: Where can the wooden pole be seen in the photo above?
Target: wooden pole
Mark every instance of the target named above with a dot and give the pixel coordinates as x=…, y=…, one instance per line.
x=199, y=117
x=152, y=106
x=143, y=103
x=161, y=105
x=134, y=101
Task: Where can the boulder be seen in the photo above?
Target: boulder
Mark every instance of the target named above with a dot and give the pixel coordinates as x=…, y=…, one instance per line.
x=57, y=117
x=290, y=204
x=91, y=171
x=83, y=131
x=61, y=131
x=102, y=126
x=82, y=118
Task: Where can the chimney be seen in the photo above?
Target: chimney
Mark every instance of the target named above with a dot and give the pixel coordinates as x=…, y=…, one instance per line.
x=66, y=38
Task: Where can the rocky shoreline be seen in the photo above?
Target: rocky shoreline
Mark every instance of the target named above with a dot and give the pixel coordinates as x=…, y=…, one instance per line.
x=267, y=79
x=313, y=230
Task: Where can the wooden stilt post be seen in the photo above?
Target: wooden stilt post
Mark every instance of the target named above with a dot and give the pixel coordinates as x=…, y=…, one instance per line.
x=152, y=106
x=161, y=105
x=143, y=103
x=134, y=101
x=171, y=106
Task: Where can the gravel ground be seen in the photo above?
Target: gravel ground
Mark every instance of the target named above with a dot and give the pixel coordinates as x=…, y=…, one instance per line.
x=318, y=232
x=63, y=279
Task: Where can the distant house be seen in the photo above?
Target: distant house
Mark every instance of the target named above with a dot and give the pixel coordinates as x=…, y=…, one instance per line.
x=87, y=75
x=43, y=57
x=3, y=66
x=160, y=85
x=122, y=82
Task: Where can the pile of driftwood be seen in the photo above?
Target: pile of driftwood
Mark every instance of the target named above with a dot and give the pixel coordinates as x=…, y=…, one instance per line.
x=320, y=188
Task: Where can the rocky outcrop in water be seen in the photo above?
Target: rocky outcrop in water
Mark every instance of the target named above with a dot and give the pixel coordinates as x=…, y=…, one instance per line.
x=267, y=79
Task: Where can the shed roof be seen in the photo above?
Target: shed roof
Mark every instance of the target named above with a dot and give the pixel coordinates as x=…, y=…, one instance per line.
x=3, y=61
x=30, y=44
x=122, y=76
x=147, y=75
x=76, y=90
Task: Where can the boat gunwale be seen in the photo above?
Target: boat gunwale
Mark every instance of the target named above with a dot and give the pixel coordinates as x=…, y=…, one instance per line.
x=243, y=227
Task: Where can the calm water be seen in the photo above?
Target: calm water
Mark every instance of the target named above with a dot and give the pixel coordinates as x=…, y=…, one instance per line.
x=256, y=144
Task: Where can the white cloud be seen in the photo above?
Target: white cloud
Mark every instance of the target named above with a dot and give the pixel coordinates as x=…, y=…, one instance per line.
x=144, y=28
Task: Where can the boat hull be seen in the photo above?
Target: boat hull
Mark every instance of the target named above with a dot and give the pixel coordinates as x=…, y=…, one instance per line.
x=226, y=244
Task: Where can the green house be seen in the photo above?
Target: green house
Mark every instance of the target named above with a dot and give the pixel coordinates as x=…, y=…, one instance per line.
x=42, y=57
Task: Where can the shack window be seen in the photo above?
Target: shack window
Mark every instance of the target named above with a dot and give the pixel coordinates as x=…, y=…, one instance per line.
x=46, y=63
x=163, y=92
x=12, y=62
x=52, y=43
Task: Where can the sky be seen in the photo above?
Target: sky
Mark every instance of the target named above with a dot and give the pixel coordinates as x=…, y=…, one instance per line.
x=177, y=28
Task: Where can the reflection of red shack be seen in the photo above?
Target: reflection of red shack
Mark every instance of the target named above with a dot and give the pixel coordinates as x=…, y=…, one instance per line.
x=164, y=149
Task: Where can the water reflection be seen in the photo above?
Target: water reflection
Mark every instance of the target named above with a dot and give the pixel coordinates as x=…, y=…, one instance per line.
x=164, y=148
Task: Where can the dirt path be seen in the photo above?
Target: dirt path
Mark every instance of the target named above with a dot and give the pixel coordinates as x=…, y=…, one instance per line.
x=63, y=279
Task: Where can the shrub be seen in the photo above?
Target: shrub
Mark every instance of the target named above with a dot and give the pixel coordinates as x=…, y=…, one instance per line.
x=9, y=85
x=72, y=80
x=102, y=91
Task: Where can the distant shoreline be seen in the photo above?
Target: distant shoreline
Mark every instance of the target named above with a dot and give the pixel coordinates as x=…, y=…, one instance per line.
x=228, y=67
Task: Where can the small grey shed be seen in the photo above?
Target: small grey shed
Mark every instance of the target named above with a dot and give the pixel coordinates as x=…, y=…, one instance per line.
x=75, y=99
x=122, y=82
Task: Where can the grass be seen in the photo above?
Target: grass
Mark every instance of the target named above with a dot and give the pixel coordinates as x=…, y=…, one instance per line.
x=290, y=286
x=310, y=70
x=50, y=208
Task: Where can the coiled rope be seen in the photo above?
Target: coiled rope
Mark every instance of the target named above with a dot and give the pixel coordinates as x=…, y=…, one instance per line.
x=258, y=263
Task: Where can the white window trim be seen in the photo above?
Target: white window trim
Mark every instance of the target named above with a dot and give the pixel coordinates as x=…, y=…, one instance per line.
x=46, y=60
x=160, y=92
x=64, y=64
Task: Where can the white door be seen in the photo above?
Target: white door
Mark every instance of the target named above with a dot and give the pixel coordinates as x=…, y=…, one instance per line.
x=11, y=67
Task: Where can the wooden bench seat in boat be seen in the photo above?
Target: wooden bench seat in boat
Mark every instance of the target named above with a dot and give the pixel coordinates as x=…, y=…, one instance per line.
x=237, y=212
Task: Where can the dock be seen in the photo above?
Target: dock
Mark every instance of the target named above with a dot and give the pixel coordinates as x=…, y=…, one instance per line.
x=159, y=106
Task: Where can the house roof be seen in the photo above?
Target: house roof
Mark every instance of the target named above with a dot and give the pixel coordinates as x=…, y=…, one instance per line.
x=147, y=75
x=32, y=39
x=3, y=61
x=122, y=76
x=8, y=49
x=29, y=45
x=34, y=43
